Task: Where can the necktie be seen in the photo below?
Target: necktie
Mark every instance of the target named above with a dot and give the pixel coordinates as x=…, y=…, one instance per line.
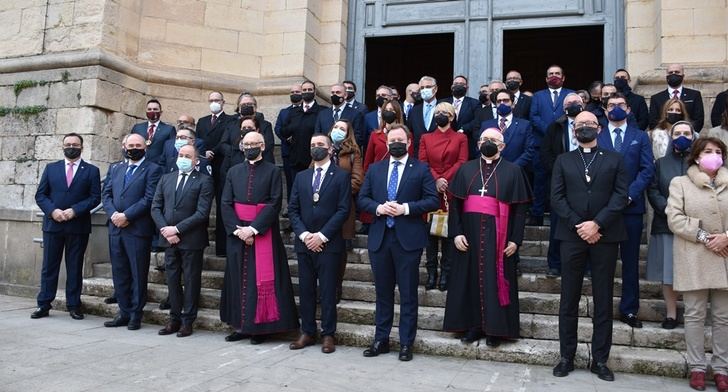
x=305, y=108
x=213, y=120
x=150, y=132
x=570, y=136
x=503, y=124
x=336, y=114
x=392, y=189
x=129, y=173
x=317, y=180
x=69, y=174
x=180, y=188
x=426, y=117
x=457, y=107
x=407, y=108
x=556, y=97
x=675, y=94
x=618, y=139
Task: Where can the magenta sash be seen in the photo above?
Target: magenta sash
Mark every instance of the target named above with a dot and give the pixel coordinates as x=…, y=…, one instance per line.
x=491, y=206
x=266, y=310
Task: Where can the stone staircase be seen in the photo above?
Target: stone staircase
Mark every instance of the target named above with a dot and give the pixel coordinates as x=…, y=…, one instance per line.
x=650, y=350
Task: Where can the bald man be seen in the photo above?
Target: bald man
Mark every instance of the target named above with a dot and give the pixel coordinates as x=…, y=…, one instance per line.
x=340, y=111
x=693, y=100
x=588, y=193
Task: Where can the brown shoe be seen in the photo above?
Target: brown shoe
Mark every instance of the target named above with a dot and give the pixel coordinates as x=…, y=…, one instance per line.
x=328, y=345
x=170, y=328
x=184, y=331
x=303, y=341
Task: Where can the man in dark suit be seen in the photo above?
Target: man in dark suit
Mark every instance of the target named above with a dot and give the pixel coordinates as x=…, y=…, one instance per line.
x=588, y=193
x=299, y=127
x=522, y=102
x=411, y=99
x=420, y=121
x=319, y=206
x=155, y=131
x=397, y=192
x=372, y=120
x=185, y=136
x=127, y=198
x=636, y=149
x=68, y=190
x=716, y=113
x=639, y=111
x=692, y=99
x=516, y=131
x=181, y=211
x=482, y=113
x=340, y=111
x=465, y=106
x=296, y=100
x=547, y=105
x=351, y=97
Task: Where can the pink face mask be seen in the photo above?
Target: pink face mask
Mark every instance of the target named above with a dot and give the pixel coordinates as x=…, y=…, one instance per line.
x=710, y=162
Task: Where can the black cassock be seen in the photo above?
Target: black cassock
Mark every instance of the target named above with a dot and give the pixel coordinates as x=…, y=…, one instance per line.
x=254, y=184
x=472, y=296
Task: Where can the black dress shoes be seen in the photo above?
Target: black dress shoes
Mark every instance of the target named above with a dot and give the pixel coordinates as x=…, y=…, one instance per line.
x=443, y=282
x=258, y=339
x=235, y=336
x=110, y=300
x=39, y=313
x=75, y=314
x=492, y=341
x=134, y=325
x=631, y=320
x=471, y=336
x=431, y=280
x=405, y=353
x=118, y=321
x=602, y=371
x=669, y=323
x=563, y=368
x=170, y=328
x=185, y=331
x=378, y=347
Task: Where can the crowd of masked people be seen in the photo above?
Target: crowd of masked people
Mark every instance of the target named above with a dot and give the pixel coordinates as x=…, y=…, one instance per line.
x=456, y=177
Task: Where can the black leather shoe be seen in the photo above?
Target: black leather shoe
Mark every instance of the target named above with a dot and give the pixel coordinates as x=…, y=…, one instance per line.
x=631, y=320
x=602, y=371
x=563, y=368
x=471, y=336
x=378, y=347
x=235, y=336
x=39, y=313
x=134, y=325
x=110, y=300
x=669, y=323
x=118, y=321
x=75, y=314
x=443, y=282
x=431, y=280
x=492, y=341
x=405, y=353
x=258, y=339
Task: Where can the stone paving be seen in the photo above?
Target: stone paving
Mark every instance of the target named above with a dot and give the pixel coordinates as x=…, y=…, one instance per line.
x=60, y=354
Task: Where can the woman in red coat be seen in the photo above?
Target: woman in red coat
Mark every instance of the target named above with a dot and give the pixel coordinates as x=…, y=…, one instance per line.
x=444, y=150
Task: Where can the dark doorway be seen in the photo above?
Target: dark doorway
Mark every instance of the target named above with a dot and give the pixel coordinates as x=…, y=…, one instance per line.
x=578, y=50
x=400, y=60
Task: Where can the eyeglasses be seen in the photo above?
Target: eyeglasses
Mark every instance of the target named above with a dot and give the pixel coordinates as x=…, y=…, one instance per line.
x=183, y=137
x=591, y=124
x=485, y=139
x=614, y=105
x=251, y=145
x=504, y=100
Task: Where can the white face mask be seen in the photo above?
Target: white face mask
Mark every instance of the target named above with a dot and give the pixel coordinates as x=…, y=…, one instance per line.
x=426, y=93
x=215, y=107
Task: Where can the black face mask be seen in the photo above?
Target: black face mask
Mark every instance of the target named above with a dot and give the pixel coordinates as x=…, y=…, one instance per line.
x=72, y=152
x=251, y=153
x=380, y=101
x=488, y=149
x=308, y=96
x=336, y=100
x=512, y=85
x=388, y=116
x=441, y=120
x=672, y=118
x=484, y=98
x=458, y=91
x=573, y=110
x=674, y=80
x=586, y=134
x=350, y=95
x=296, y=98
x=319, y=153
x=622, y=85
x=135, y=154
x=246, y=110
x=397, y=149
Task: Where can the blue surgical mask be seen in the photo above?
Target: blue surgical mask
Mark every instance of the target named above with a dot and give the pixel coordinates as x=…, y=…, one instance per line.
x=184, y=164
x=682, y=143
x=426, y=94
x=179, y=143
x=617, y=114
x=504, y=110
x=338, y=135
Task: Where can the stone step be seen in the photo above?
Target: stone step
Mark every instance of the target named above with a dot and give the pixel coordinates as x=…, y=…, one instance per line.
x=625, y=359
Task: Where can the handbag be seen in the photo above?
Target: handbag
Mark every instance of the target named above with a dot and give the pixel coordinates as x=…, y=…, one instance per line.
x=438, y=220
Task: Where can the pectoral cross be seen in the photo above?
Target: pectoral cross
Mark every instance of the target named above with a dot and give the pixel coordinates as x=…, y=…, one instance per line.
x=482, y=191
x=586, y=174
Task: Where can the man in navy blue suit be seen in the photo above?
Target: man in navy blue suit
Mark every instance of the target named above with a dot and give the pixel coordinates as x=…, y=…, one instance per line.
x=546, y=106
x=373, y=118
x=340, y=110
x=185, y=136
x=319, y=206
x=516, y=131
x=397, y=192
x=636, y=150
x=296, y=100
x=68, y=190
x=351, y=97
x=127, y=198
x=155, y=131
x=465, y=106
x=419, y=120
x=521, y=102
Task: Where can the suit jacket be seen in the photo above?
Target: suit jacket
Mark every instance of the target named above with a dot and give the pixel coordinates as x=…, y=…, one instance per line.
x=190, y=214
x=134, y=198
x=444, y=153
x=543, y=111
x=282, y=116
x=638, y=163
x=299, y=127
x=371, y=124
x=325, y=121
x=601, y=200
x=416, y=188
x=638, y=110
x=328, y=214
x=518, y=137
x=556, y=142
x=482, y=114
x=82, y=196
x=467, y=111
x=356, y=105
x=718, y=107
x=163, y=133
x=212, y=135
x=522, y=108
x=692, y=99
x=416, y=125
x=170, y=154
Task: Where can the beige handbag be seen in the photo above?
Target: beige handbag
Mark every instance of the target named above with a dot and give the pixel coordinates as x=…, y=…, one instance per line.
x=438, y=220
